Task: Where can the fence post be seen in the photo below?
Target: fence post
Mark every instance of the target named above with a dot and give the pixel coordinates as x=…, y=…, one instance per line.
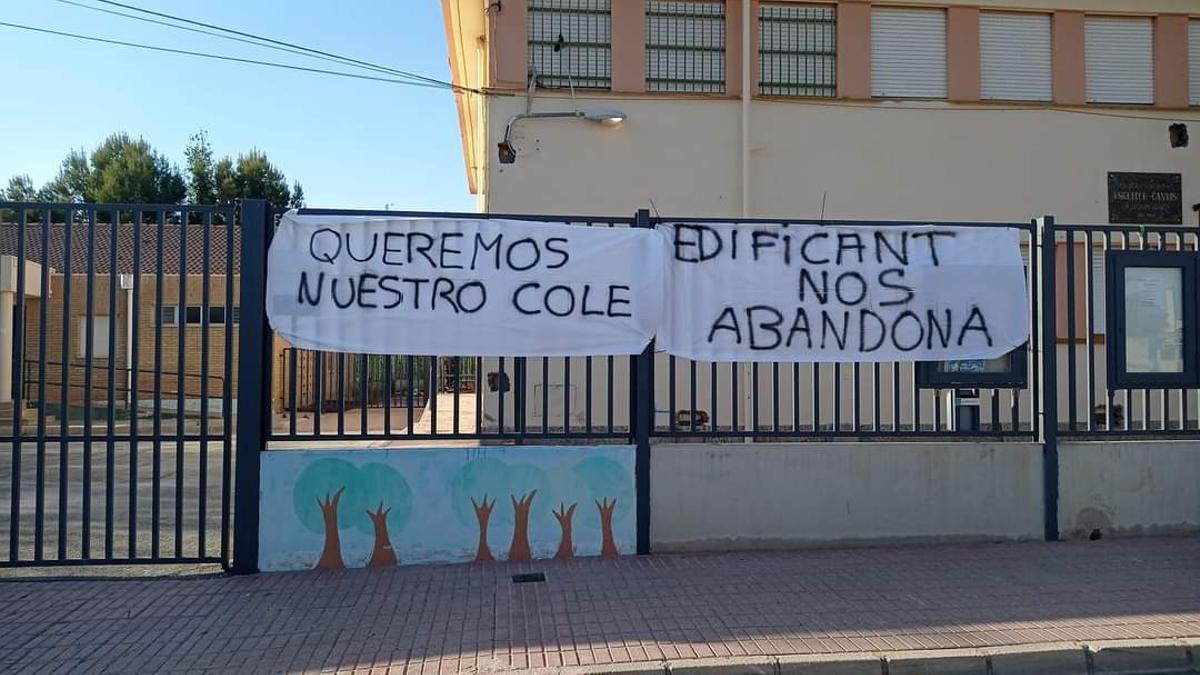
x=643, y=422
x=254, y=376
x=1049, y=366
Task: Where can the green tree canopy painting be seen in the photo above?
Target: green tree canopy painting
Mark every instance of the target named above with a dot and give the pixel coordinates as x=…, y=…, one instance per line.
x=495, y=494
x=333, y=494
x=513, y=493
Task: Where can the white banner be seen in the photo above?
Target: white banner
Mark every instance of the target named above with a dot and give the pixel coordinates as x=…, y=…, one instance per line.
x=775, y=292
x=470, y=287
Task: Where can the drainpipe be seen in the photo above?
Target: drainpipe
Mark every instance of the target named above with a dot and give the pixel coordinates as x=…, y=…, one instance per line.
x=747, y=91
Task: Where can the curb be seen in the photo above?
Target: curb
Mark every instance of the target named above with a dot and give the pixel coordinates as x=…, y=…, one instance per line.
x=1129, y=657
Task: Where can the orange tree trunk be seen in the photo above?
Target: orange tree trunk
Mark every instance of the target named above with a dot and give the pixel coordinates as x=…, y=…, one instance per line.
x=382, y=555
x=519, y=551
x=608, y=547
x=566, y=547
x=331, y=554
x=483, y=513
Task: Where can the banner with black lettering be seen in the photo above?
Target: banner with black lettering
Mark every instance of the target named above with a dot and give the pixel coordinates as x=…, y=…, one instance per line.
x=471, y=287
x=776, y=292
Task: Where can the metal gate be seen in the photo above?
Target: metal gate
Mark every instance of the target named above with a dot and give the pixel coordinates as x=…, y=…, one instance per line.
x=118, y=329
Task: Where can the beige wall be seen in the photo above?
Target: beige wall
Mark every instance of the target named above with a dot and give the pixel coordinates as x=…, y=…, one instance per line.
x=874, y=161
x=1129, y=487
x=746, y=496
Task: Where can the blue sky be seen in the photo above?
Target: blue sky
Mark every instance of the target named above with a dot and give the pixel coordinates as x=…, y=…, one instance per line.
x=351, y=143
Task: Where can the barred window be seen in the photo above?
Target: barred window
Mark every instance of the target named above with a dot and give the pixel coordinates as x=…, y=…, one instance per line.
x=797, y=50
x=570, y=43
x=685, y=46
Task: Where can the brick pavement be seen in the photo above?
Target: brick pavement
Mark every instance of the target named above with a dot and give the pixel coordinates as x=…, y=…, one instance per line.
x=597, y=613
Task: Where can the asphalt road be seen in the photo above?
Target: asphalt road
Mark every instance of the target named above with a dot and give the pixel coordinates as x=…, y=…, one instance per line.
x=184, y=524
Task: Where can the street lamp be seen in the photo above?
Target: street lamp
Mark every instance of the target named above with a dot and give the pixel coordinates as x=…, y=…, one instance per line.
x=508, y=154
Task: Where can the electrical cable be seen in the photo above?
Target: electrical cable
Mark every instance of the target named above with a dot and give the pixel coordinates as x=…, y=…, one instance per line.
x=345, y=59
x=222, y=57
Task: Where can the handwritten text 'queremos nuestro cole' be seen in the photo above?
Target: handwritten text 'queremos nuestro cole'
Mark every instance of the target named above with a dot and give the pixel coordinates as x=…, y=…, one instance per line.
x=774, y=292
x=463, y=287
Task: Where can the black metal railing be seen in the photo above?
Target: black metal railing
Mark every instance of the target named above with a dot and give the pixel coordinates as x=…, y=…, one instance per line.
x=81, y=488
x=1089, y=403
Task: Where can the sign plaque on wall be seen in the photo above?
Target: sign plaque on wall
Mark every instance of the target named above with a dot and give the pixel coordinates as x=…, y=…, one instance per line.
x=1145, y=198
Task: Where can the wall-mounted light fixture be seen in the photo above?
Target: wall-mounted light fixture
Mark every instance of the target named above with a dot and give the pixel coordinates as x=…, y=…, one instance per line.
x=508, y=154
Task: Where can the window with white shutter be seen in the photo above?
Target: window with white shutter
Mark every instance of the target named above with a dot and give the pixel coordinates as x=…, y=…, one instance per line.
x=908, y=53
x=570, y=43
x=1194, y=61
x=797, y=50
x=685, y=46
x=1119, y=59
x=1015, y=60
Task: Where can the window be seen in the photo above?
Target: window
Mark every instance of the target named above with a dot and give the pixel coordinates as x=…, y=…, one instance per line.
x=1194, y=61
x=1119, y=55
x=194, y=314
x=797, y=50
x=1014, y=57
x=570, y=43
x=685, y=46
x=100, y=327
x=908, y=53
x=1151, y=302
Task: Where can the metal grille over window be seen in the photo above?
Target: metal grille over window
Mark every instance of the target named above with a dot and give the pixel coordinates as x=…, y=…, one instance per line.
x=797, y=50
x=685, y=46
x=570, y=43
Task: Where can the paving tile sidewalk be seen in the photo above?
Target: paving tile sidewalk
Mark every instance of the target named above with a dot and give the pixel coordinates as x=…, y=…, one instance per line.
x=597, y=613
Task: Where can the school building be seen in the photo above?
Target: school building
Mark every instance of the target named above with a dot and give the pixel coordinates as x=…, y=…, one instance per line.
x=962, y=111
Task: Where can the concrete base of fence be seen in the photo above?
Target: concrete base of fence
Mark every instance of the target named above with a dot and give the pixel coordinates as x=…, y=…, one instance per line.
x=784, y=495
x=1129, y=488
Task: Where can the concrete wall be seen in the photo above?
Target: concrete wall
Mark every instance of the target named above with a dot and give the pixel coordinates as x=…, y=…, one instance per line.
x=871, y=160
x=1129, y=487
x=746, y=496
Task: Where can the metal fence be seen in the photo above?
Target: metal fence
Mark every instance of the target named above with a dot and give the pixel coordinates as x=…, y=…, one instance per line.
x=1089, y=404
x=124, y=432
x=453, y=396
x=116, y=437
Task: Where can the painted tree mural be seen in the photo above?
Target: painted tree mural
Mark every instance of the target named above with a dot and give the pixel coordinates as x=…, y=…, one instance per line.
x=611, y=489
x=566, y=546
x=333, y=495
x=386, y=487
x=331, y=553
x=481, y=483
x=518, y=550
x=483, y=514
